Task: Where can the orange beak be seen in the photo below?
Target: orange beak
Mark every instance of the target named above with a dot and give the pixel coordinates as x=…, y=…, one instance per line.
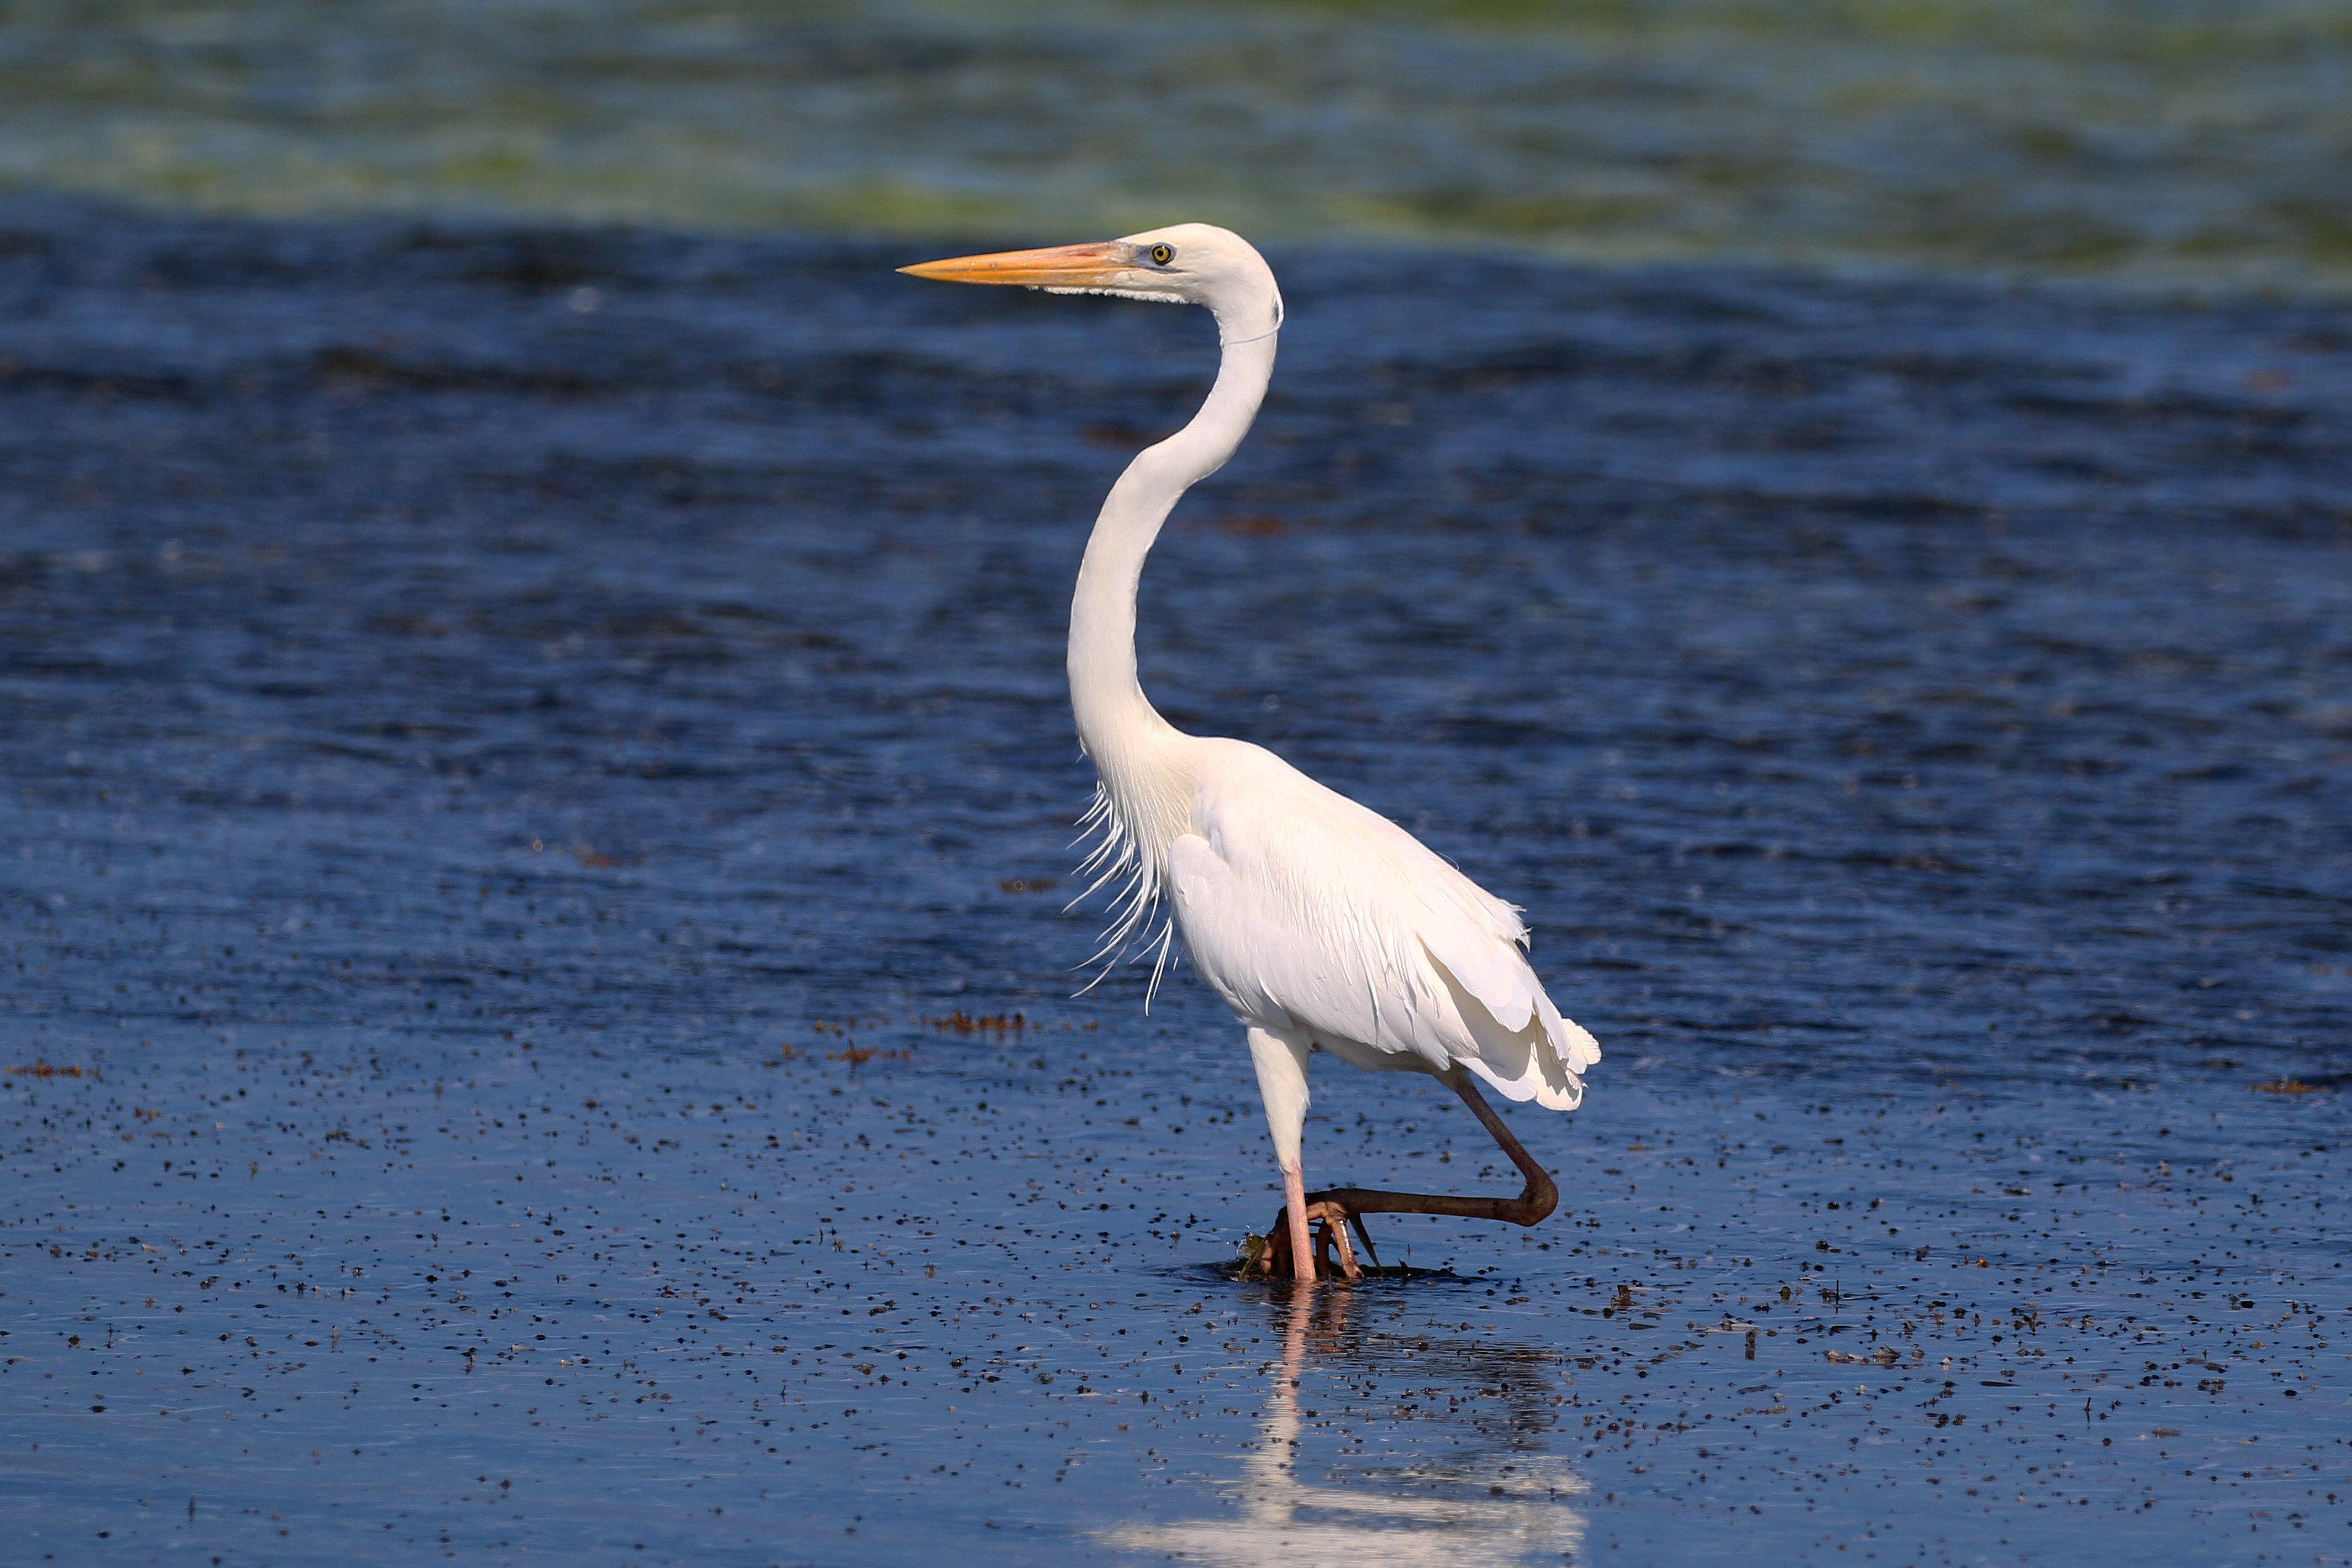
x=1058, y=267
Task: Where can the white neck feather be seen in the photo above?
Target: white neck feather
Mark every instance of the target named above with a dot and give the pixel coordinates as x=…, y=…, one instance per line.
x=1145, y=798
x=1112, y=712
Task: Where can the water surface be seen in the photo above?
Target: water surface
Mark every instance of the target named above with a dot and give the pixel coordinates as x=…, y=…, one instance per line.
x=536, y=775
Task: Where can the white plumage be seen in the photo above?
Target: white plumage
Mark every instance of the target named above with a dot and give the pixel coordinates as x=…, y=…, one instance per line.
x=1310, y=914
x=1322, y=924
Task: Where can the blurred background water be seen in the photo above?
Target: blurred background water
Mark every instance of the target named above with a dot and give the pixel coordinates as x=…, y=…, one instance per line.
x=2155, y=139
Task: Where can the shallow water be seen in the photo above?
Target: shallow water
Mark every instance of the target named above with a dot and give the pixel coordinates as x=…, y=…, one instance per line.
x=2186, y=140
x=536, y=773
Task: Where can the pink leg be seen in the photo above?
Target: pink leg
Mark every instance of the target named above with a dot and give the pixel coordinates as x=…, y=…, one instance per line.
x=1294, y=1195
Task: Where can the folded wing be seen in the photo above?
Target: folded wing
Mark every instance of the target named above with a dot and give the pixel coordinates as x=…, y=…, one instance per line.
x=1310, y=913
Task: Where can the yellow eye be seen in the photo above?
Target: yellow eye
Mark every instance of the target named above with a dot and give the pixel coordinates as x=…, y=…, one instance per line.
x=1162, y=254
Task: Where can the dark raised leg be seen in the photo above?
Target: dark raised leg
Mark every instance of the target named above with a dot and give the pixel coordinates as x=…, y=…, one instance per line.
x=1340, y=1206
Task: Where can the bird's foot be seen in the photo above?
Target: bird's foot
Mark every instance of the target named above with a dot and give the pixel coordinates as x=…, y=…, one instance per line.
x=1330, y=1222
x=1273, y=1260
x=1327, y=1203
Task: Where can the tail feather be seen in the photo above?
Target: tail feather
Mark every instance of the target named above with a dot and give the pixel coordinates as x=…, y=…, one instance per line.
x=1545, y=1061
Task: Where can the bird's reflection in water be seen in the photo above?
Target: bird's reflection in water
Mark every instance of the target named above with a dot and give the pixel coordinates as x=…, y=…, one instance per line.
x=1500, y=1502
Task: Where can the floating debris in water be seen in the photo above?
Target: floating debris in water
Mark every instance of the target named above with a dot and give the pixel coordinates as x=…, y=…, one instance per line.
x=2287, y=1086
x=986, y=1024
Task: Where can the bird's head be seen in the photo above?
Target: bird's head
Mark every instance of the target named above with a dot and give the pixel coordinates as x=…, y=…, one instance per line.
x=1186, y=264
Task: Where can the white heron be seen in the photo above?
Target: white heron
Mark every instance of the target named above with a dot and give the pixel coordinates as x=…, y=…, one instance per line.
x=1323, y=925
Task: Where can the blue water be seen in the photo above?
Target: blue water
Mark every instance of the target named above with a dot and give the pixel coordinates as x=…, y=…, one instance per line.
x=536, y=781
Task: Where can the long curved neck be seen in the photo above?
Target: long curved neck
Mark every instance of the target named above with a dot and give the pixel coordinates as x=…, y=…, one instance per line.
x=1115, y=719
